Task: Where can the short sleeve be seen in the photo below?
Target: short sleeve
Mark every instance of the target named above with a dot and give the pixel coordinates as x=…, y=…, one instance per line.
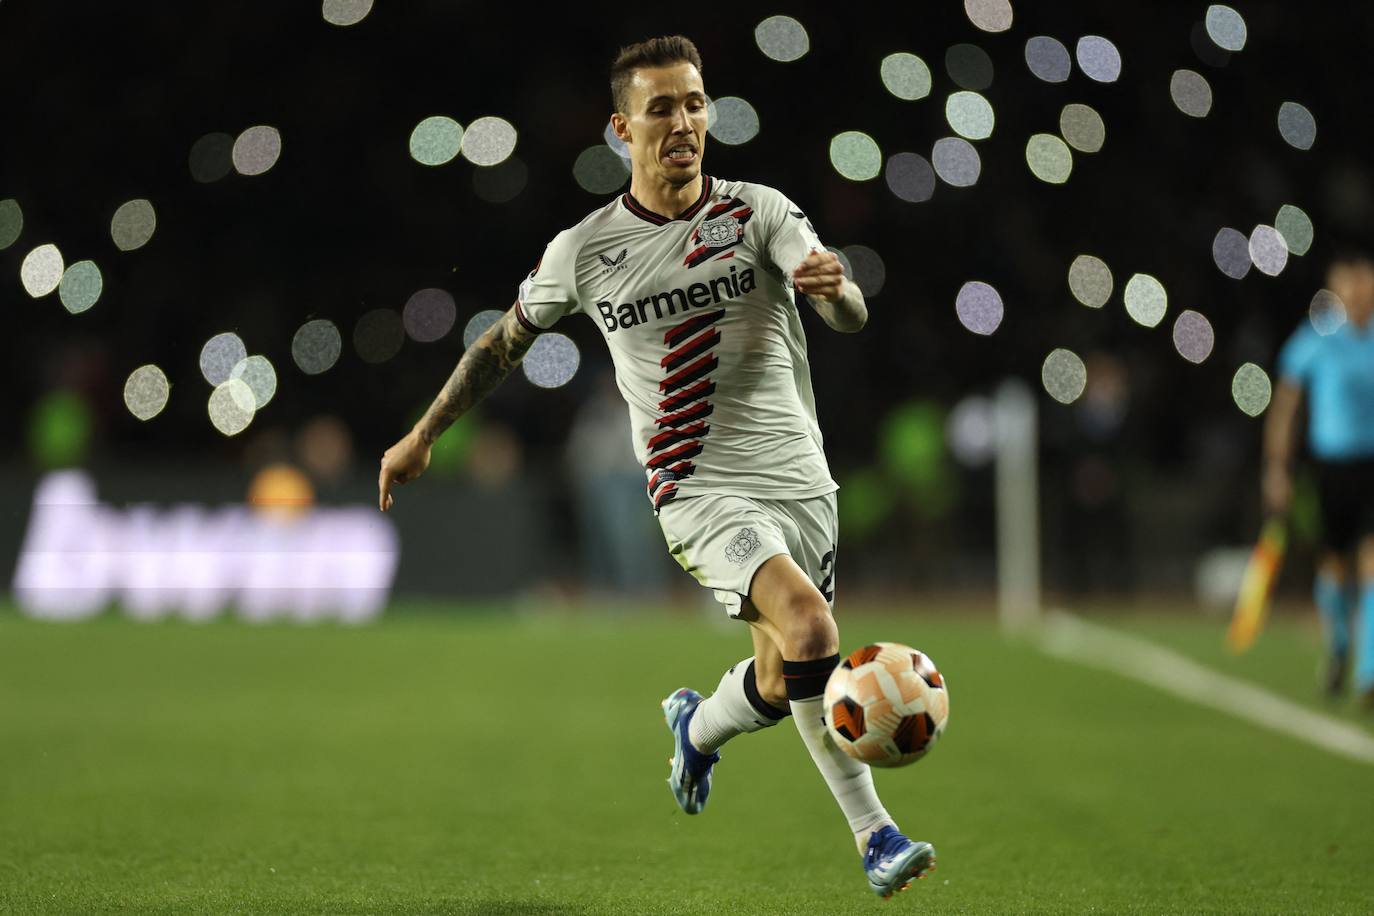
x=1297, y=355
x=550, y=290
x=790, y=234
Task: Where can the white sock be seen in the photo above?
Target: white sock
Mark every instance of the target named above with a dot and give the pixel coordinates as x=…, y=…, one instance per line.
x=734, y=709
x=850, y=781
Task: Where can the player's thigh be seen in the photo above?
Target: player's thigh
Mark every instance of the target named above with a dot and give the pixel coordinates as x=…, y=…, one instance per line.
x=791, y=611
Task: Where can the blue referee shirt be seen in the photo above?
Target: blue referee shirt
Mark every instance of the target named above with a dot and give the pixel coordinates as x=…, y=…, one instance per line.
x=1336, y=372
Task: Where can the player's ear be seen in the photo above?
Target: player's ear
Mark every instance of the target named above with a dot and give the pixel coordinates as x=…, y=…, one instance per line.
x=621, y=126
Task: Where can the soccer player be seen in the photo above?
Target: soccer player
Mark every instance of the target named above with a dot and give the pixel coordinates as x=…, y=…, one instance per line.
x=1332, y=369
x=691, y=281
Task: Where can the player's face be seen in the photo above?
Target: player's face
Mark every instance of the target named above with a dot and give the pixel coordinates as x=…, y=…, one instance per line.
x=667, y=113
x=1360, y=306
x=1340, y=279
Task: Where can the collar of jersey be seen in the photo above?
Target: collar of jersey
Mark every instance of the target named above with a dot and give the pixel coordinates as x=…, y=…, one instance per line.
x=659, y=219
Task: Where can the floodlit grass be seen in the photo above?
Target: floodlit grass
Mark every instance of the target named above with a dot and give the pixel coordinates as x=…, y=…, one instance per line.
x=487, y=763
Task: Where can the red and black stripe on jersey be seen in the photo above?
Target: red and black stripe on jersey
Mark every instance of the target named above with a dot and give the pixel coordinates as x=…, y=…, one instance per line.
x=687, y=385
x=703, y=251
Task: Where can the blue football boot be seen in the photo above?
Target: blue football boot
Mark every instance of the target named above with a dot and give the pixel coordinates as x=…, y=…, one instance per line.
x=892, y=861
x=690, y=778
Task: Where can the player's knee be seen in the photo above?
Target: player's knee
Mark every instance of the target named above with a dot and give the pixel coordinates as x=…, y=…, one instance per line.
x=1335, y=567
x=809, y=631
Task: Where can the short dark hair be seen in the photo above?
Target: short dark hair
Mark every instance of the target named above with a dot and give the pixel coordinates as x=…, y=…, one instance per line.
x=654, y=52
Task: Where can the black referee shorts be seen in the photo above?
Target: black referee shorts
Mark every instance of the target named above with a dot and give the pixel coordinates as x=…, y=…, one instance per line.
x=1345, y=490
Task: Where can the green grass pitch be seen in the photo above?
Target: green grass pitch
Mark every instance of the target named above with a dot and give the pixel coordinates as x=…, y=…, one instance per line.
x=494, y=763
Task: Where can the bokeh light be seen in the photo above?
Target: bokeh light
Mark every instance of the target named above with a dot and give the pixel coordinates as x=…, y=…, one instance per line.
x=979, y=307
x=736, y=121
x=956, y=162
x=499, y=184
x=969, y=115
x=1090, y=281
x=1064, y=375
x=910, y=177
x=1048, y=59
x=429, y=314
x=80, y=287
x=782, y=38
x=1225, y=27
x=1297, y=126
x=1049, y=158
x=345, y=12
x=256, y=150
x=258, y=373
x=1231, y=253
x=1146, y=300
x=622, y=149
x=378, y=335
x=989, y=15
x=478, y=324
x=1251, y=389
x=489, y=141
x=1191, y=93
x=1326, y=312
x=906, y=76
x=11, y=222
x=316, y=346
x=866, y=269
x=552, y=361
x=1082, y=128
x=1268, y=250
x=856, y=156
x=598, y=170
x=146, y=391
x=41, y=270
x=436, y=140
x=212, y=157
x=231, y=407
x=969, y=66
x=133, y=224
x=1193, y=336
x=220, y=355
x=971, y=431
x=1098, y=58
x=1296, y=228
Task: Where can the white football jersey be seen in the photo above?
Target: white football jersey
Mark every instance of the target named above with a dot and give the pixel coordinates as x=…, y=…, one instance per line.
x=701, y=320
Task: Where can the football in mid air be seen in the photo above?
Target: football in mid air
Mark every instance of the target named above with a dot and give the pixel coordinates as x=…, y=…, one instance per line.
x=886, y=704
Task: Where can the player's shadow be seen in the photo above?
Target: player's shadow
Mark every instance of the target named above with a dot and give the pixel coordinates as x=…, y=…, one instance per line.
x=521, y=908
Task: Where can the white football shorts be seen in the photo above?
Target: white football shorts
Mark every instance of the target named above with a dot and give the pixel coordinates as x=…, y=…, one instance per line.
x=722, y=540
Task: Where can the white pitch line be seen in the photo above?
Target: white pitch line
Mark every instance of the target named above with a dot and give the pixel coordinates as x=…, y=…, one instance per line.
x=1067, y=636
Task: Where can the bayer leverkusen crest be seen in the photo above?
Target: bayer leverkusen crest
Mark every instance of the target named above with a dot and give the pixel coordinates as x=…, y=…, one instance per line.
x=718, y=233
x=723, y=228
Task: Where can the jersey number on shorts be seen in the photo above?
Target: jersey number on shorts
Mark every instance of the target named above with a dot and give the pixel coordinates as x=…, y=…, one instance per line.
x=828, y=570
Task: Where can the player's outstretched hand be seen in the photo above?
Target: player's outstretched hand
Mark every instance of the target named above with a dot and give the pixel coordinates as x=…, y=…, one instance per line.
x=402, y=463
x=820, y=275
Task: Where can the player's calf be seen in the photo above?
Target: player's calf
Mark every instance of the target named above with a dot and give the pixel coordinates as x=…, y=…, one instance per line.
x=737, y=707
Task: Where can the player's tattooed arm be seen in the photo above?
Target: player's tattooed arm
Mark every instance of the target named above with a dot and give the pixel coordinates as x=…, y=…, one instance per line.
x=835, y=298
x=484, y=366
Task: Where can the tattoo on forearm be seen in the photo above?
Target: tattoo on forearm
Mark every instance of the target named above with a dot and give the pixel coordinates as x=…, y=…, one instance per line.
x=491, y=358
